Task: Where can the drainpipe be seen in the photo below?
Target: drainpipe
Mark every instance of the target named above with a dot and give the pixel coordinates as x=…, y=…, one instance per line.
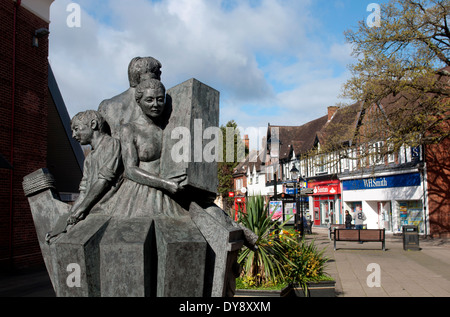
x=11, y=175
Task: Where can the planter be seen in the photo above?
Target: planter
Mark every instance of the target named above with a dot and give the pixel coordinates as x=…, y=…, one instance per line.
x=317, y=289
x=285, y=292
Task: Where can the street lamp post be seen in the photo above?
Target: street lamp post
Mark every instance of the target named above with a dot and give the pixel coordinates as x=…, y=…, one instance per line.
x=294, y=176
x=302, y=225
x=299, y=225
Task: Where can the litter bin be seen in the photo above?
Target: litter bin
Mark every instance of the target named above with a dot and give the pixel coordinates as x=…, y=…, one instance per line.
x=411, y=238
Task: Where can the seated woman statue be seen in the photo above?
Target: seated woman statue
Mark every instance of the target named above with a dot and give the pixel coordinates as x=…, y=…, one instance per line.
x=144, y=192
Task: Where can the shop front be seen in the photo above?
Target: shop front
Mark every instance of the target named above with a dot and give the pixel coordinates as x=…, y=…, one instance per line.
x=326, y=202
x=388, y=202
x=239, y=206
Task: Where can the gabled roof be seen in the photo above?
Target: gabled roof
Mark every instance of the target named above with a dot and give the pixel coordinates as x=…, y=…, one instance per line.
x=298, y=139
x=253, y=160
x=342, y=127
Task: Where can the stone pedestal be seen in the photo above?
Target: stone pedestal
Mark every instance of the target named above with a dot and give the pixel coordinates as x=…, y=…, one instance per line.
x=145, y=257
x=181, y=252
x=78, y=250
x=224, y=242
x=128, y=259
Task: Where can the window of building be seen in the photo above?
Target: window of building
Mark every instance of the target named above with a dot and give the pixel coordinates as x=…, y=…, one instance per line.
x=391, y=154
x=375, y=153
x=239, y=183
x=408, y=154
x=321, y=165
x=269, y=174
x=345, y=160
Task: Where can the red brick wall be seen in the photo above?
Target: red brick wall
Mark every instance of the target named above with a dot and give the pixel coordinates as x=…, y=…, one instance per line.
x=30, y=130
x=438, y=177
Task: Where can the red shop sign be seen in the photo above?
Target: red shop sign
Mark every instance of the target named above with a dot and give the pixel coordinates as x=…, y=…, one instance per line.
x=327, y=190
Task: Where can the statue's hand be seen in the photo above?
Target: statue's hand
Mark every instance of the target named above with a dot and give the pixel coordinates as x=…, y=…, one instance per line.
x=175, y=184
x=76, y=217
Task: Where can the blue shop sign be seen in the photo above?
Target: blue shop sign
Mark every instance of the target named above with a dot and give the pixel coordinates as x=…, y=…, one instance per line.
x=291, y=191
x=402, y=180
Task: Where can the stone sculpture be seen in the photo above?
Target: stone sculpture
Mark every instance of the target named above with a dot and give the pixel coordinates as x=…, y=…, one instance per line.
x=153, y=230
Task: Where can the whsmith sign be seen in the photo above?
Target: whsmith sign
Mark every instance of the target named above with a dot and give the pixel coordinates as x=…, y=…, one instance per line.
x=402, y=180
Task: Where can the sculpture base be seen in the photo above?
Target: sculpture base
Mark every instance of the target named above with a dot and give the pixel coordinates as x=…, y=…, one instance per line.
x=140, y=257
x=77, y=252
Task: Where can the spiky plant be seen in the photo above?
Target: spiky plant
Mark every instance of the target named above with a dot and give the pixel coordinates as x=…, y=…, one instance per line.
x=267, y=262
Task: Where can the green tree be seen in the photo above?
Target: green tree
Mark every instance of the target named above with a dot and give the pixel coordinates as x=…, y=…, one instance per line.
x=226, y=166
x=402, y=72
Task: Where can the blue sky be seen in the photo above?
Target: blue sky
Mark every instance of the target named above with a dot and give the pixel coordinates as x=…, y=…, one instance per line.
x=281, y=62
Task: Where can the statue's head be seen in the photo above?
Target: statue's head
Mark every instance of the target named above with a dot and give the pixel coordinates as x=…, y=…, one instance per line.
x=150, y=95
x=140, y=66
x=84, y=124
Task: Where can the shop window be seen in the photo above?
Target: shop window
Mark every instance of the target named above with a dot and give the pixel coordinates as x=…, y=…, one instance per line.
x=354, y=205
x=411, y=213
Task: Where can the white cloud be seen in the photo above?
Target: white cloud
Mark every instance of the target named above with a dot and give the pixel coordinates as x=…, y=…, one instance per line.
x=201, y=39
x=310, y=101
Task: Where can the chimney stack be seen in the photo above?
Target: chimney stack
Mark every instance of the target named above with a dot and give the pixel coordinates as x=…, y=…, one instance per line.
x=246, y=141
x=331, y=111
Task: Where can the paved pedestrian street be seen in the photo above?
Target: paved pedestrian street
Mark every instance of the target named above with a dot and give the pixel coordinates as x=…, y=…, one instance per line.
x=365, y=270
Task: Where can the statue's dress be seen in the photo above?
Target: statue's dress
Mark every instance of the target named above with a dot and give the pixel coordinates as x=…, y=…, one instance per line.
x=134, y=200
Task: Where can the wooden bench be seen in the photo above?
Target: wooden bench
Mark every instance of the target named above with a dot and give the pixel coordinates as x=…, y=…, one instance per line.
x=331, y=230
x=360, y=235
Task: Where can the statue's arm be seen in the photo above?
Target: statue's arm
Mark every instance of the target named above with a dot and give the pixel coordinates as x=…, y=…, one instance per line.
x=131, y=164
x=96, y=192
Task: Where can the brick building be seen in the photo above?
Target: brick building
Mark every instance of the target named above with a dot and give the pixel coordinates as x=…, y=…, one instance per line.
x=34, y=126
x=437, y=171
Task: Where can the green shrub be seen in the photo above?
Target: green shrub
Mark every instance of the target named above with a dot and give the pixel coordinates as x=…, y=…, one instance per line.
x=306, y=263
x=279, y=258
